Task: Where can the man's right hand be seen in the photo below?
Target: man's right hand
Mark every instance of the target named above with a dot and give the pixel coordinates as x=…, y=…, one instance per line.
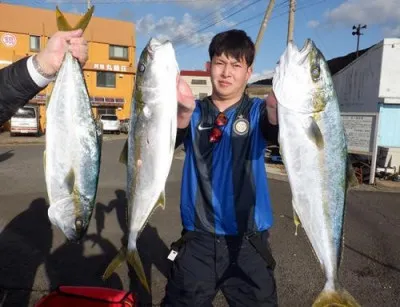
x=186, y=103
x=51, y=57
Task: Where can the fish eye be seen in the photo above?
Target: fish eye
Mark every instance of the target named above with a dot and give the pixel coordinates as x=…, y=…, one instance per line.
x=315, y=72
x=142, y=68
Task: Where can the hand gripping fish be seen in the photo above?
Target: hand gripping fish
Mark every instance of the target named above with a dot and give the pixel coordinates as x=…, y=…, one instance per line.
x=313, y=146
x=73, y=146
x=149, y=150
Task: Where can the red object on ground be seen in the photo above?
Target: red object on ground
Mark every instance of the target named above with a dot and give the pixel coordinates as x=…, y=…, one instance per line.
x=70, y=296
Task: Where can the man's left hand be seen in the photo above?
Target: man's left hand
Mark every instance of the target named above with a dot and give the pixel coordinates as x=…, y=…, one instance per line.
x=272, y=108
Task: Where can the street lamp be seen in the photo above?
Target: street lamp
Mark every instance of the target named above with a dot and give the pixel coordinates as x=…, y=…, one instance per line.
x=358, y=33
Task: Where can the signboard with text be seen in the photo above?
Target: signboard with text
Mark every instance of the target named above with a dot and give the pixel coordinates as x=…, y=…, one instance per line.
x=360, y=132
x=110, y=67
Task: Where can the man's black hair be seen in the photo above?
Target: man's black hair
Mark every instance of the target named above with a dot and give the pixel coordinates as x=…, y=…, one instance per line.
x=234, y=43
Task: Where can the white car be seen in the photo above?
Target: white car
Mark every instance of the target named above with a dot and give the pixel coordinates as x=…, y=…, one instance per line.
x=110, y=123
x=25, y=121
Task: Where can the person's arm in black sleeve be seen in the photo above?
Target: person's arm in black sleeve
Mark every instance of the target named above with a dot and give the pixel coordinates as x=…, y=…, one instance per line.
x=16, y=88
x=22, y=80
x=269, y=122
x=181, y=134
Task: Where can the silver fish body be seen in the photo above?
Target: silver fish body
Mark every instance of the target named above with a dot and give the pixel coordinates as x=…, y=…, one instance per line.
x=313, y=147
x=151, y=142
x=73, y=152
x=152, y=139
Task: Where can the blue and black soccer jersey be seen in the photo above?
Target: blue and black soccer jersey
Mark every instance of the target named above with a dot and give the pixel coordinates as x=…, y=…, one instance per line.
x=224, y=184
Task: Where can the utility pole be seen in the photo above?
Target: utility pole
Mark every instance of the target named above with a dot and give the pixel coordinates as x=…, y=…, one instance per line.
x=358, y=33
x=264, y=24
x=292, y=9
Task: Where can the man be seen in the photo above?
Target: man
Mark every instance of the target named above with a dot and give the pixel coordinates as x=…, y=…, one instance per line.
x=225, y=204
x=22, y=80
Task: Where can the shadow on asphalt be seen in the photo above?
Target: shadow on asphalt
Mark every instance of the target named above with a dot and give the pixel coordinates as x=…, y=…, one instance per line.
x=151, y=254
x=7, y=155
x=26, y=244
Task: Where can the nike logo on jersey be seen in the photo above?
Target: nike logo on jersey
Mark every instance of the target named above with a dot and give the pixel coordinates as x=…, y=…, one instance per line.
x=200, y=127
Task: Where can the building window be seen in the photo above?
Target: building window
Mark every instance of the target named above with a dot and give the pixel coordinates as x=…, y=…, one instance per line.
x=34, y=43
x=119, y=53
x=199, y=82
x=102, y=111
x=106, y=79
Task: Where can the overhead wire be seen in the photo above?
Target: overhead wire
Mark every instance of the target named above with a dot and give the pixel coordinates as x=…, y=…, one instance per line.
x=278, y=6
x=220, y=20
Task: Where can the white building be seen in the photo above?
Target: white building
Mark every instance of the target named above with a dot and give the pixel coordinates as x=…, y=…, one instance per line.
x=199, y=81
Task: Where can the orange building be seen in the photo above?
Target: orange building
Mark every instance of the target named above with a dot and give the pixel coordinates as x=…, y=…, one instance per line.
x=109, y=71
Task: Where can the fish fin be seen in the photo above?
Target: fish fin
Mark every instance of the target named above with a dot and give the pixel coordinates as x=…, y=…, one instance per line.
x=70, y=180
x=63, y=25
x=44, y=161
x=314, y=133
x=161, y=200
x=352, y=180
x=296, y=220
x=134, y=260
x=84, y=21
x=115, y=263
x=338, y=298
x=123, y=157
x=48, y=99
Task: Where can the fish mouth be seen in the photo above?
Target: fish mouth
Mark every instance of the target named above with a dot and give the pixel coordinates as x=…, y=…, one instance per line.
x=76, y=236
x=305, y=51
x=155, y=44
x=308, y=44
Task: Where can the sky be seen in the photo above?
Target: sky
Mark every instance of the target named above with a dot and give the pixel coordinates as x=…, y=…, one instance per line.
x=190, y=24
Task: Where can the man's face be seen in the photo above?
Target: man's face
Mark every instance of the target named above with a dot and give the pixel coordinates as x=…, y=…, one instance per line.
x=229, y=76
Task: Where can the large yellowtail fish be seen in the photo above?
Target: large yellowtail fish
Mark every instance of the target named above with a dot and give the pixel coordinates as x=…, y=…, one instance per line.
x=313, y=146
x=73, y=146
x=149, y=150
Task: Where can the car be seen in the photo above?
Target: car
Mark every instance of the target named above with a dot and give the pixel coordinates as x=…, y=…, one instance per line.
x=25, y=121
x=110, y=122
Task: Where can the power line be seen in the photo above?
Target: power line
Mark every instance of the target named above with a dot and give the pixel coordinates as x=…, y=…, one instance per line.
x=218, y=21
x=315, y=30
x=305, y=6
x=96, y=2
x=226, y=17
x=206, y=19
x=236, y=24
x=286, y=12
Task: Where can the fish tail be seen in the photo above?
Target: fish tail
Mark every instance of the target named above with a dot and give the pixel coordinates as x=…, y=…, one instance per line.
x=134, y=260
x=335, y=298
x=63, y=25
x=132, y=257
x=115, y=263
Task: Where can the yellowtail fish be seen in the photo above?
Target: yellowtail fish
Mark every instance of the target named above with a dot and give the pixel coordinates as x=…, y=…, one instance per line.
x=73, y=146
x=149, y=150
x=313, y=146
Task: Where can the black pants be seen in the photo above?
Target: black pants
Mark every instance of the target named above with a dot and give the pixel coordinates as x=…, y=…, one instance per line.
x=206, y=263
